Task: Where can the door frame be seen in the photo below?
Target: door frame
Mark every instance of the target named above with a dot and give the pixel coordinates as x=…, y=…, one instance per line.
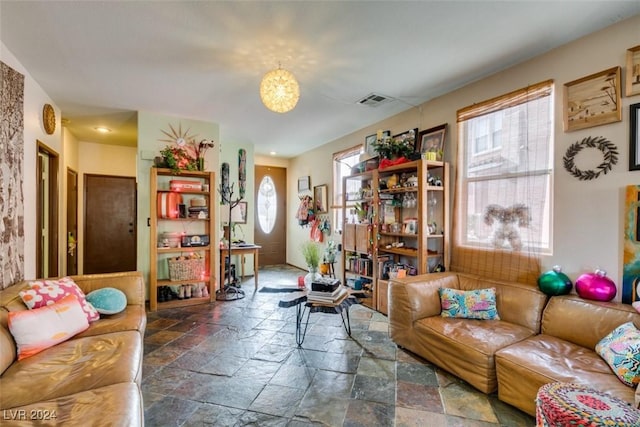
x=70, y=219
x=52, y=223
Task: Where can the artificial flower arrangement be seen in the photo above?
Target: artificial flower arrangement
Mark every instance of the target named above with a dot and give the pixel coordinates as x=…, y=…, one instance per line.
x=399, y=146
x=186, y=156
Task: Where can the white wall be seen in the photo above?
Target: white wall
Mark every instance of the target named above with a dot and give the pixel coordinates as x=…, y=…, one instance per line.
x=229, y=154
x=588, y=216
x=34, y=100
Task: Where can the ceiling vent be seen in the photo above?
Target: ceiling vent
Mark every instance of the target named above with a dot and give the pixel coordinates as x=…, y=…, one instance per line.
x=374, y=100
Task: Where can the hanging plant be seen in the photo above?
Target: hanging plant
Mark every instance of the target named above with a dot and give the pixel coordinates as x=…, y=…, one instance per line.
x=608, y=149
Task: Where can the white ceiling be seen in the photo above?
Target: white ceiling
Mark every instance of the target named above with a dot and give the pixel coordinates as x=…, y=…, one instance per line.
x=101, y=61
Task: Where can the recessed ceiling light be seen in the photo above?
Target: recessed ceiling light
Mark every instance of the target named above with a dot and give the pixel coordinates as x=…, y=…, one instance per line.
x=273, y=153
x=102, y=129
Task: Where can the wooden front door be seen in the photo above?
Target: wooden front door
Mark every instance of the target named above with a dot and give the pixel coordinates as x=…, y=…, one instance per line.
x=109, y=224
x=270, y=223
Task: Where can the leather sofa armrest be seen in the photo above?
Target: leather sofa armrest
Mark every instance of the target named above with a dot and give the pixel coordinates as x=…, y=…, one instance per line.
x=130, y=282
x=417, y=297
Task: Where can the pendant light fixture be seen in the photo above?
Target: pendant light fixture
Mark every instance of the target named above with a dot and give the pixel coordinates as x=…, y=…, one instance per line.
x=279, y=90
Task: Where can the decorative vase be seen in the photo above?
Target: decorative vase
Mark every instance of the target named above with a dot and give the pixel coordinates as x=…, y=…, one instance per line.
x=311, y=276
x=555, y=282
x=200, y=163
x=596, y=286
x=324, y=268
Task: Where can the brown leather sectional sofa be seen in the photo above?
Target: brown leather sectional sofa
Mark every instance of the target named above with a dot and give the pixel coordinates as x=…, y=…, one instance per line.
x=91, y=379
x=537, y=340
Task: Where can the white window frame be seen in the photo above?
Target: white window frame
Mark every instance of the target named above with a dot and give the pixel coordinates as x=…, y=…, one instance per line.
x=342, y=161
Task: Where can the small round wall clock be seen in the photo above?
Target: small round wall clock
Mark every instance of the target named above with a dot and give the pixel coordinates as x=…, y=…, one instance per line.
x=49, y=119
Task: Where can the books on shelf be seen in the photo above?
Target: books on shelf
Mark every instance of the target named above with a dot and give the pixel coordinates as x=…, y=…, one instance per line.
x=326, y=297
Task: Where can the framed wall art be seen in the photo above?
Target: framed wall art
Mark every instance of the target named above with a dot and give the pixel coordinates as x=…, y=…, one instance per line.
x=320, y=199
x=304, y=184
x=592, y=100
x=239, y=213
x=408, y=136
x=371, y=139
x=634, y=137
x=431, y=142
x=633, y=71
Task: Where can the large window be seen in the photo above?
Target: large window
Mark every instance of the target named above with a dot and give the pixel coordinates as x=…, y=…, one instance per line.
x=342, y=164
x=506, y=171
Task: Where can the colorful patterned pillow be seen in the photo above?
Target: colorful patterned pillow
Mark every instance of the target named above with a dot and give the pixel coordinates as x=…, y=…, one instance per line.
x=47, y=292
x=38, y=329
x=476, y=304
x=621, y=350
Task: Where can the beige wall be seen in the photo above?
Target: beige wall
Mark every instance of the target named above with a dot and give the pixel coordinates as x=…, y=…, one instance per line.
x=588, y=216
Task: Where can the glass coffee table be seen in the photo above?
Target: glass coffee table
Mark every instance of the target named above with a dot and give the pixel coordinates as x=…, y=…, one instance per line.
x=303, y=305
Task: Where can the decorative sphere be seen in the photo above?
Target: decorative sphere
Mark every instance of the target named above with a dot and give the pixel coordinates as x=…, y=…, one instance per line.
x=555, y=282
x=596, y=286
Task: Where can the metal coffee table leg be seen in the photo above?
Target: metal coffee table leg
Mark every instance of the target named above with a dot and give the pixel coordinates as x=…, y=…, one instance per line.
x=300, y=334
x=347, y=324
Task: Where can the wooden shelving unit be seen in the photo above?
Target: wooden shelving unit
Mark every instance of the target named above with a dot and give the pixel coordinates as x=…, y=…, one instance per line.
x=422, y=248
x=158, y=275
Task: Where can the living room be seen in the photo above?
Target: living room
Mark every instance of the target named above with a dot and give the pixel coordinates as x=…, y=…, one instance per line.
x=587, y=215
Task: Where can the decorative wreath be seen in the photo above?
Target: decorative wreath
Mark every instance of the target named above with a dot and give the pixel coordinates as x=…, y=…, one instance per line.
x=609, y=150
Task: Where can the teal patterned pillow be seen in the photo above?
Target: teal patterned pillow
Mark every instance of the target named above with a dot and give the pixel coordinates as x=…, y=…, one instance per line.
x=108, y=300
x=621, y=350
x=477, y=304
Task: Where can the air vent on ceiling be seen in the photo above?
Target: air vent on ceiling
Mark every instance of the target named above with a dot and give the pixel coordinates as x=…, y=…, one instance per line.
x=374, y=100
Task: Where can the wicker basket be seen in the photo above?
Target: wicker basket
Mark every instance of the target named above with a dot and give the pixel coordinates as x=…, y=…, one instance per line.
x=187, y=269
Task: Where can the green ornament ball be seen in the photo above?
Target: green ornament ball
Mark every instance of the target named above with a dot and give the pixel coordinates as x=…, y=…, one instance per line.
x=555, y=282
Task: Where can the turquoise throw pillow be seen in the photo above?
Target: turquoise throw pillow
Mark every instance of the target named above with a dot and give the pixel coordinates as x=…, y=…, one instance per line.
x=108, y=300
x=477, y=304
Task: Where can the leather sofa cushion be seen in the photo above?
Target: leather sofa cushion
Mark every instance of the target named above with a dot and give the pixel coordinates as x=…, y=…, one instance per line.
x=584, y=322
x=524, y=367
x=466, y=347
x=113, y=405
x=73, y=366
x=133, y=318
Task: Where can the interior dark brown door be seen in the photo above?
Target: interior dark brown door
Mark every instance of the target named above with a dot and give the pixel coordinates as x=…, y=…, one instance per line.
x=72, y=222
x=109, y=224
x=273, y=240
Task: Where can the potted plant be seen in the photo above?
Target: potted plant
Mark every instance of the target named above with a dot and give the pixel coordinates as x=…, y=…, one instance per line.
x=311, y=252
x=393, y=148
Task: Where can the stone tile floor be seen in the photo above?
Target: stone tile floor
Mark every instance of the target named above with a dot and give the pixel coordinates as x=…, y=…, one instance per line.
x=236, y=363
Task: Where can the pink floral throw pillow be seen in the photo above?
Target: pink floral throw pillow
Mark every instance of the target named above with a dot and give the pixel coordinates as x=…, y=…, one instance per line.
x=41, y=328
x=46, y=292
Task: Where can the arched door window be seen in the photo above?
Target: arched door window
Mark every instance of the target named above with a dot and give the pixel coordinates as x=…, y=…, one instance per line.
x=266, y=204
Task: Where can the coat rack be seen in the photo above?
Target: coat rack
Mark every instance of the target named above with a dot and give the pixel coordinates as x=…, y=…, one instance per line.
x=228, y=292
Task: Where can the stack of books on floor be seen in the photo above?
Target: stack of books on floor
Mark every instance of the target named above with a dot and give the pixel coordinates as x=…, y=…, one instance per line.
x=326, y=290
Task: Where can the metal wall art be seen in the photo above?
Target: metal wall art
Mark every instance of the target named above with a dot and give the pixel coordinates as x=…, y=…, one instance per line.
x=609, y=151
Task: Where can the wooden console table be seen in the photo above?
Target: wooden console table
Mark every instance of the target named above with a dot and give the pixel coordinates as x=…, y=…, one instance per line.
x=241, y=250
